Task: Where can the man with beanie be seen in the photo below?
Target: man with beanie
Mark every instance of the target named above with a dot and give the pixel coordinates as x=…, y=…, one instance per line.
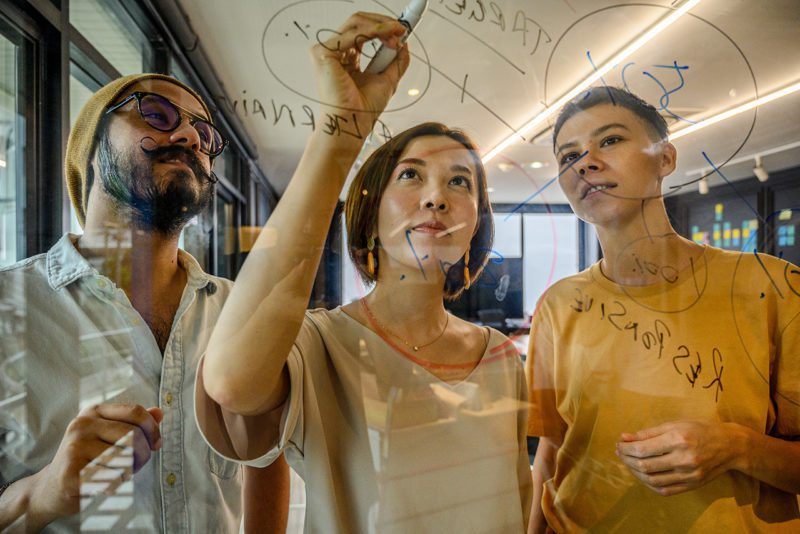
x=101, y=337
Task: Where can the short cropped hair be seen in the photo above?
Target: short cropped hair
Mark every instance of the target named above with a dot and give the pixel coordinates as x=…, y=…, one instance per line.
x=618, y=97
x=361, y=211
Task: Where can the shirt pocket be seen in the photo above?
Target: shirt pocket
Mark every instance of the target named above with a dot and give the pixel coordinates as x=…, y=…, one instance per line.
x=221, y=467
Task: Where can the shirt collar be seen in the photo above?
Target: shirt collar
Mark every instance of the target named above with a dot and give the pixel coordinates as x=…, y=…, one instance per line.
x=196, y=277
x=66, y=265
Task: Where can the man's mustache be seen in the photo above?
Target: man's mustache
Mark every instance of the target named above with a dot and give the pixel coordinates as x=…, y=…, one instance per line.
x=160, y=153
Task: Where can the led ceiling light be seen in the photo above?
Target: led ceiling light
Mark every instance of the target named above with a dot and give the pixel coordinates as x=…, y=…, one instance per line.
x=747, y=157
x=537, y=165
x=735, y=111
x=596, y=75
x=505, y=166
x=413, y=92
x=759, y=170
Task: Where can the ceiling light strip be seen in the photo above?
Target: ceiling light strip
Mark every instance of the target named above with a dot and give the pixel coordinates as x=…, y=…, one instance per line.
x=596, y=75
x=735, y=111
x=749, y=157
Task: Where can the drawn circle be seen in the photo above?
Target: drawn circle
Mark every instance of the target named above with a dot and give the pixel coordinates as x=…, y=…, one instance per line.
x=313, y=98
x=701, y=289
x=736, y=302
x=152, y=144
x=673, y=188
x=787, y=269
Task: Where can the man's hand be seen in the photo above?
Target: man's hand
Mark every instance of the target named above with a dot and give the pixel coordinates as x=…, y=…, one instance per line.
x=682, y=455
x=56, y=491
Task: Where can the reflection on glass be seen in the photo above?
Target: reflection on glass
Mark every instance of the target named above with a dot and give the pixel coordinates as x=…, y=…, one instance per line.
x=226, y=239
x=195, y=237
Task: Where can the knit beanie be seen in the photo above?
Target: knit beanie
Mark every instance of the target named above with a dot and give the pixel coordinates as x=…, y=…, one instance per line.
x=83, y=136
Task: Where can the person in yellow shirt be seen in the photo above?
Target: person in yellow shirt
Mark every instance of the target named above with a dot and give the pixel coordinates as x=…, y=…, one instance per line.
x=665, y=379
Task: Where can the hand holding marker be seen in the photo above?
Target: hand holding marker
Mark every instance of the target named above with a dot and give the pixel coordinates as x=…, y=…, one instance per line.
x=409, y=18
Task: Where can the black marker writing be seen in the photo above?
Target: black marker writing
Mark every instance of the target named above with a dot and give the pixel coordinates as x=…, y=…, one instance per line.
x=477, y=11
x=657, y=337
x=667, y=272
x=283, y=114
x=716, y=358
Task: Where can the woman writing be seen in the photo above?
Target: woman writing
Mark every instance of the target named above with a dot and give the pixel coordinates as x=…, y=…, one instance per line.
x=397, y=415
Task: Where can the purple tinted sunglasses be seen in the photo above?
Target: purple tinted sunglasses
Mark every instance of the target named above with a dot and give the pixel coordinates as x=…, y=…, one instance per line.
x=165, y=116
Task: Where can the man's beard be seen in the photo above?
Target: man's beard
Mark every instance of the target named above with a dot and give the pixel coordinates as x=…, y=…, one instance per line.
x=164, y=210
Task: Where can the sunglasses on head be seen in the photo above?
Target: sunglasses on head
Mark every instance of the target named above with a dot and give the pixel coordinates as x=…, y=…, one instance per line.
x=165, y=116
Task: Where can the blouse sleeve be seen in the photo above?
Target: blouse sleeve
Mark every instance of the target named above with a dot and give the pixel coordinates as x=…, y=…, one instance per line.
x=258, y=440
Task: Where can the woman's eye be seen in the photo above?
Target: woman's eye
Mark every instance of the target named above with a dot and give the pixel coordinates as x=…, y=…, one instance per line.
x=408, y=174
x=461, y=181
x=611, y=140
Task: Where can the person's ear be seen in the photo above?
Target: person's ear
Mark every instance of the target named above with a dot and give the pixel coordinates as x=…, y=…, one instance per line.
x=668, y=159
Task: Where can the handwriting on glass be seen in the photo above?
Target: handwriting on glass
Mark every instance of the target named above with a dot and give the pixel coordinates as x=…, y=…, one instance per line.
x=333, y=124
x=491, y=13
x=656, y=339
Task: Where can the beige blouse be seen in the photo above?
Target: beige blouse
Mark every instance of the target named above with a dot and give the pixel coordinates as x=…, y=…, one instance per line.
x=384, y=445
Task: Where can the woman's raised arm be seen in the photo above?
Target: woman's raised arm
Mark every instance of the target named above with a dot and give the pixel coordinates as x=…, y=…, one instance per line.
x=244, y=369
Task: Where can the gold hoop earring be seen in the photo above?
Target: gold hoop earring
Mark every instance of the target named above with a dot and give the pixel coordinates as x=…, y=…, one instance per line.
x=370, y=256
x=467, y=281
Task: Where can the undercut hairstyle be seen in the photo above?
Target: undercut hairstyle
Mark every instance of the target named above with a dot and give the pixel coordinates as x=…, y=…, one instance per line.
x=361, y=211
x=618, y=97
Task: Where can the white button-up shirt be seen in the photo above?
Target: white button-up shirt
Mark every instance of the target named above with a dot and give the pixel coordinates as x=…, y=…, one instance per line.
x=70, y=338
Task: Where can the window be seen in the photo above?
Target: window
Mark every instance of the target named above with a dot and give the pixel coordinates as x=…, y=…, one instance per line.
x=113, y=33
x=14, y=128
x=226, y=243
x=227, y=166
x=550, y=252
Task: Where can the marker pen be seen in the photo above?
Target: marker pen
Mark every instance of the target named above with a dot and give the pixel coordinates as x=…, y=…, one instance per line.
x=409, y=18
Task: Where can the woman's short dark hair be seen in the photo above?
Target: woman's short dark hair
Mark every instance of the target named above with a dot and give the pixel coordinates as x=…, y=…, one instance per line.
x=361, y=211
x=618, y=97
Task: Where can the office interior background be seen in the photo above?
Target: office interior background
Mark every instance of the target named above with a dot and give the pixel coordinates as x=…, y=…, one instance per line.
x=726, y=76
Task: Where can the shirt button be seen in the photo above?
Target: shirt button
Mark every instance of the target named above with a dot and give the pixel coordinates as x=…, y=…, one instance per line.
x=171, y=478
x=168, y=398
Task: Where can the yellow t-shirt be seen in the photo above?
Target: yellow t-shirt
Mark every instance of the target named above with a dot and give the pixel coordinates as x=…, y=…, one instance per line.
x=718, y=343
